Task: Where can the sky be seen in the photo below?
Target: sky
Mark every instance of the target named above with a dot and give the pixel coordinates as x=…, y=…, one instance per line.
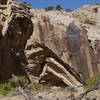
x=65, y=4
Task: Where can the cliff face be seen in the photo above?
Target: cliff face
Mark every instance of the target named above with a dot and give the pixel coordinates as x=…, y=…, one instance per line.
x=50, y=47
x=13, y=37
x=44, y=52
x=68, y=37
x=89, y=16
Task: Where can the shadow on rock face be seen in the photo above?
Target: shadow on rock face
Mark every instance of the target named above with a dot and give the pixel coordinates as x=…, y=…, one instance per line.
x=77, y=49
x=12, y=45
x=3, y=2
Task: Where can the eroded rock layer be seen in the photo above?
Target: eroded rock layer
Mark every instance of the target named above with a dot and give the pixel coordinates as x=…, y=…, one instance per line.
x=48, y=47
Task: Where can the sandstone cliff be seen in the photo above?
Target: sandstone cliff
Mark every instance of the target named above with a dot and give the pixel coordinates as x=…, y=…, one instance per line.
x=14, y=22
x=51, y=47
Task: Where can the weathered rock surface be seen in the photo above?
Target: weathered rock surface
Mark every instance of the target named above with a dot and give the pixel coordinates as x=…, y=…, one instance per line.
x=89, y=16
x=67, y=37
x=15, y=30
x=52, y=47
x=44, y=44
x=74, y=37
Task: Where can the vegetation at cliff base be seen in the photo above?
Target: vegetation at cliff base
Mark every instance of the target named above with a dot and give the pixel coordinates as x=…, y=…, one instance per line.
x=9, y=87
x=38, y=87
x=92, y=81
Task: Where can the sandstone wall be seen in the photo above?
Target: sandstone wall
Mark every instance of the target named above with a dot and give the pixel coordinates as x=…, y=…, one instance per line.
x=48, y=47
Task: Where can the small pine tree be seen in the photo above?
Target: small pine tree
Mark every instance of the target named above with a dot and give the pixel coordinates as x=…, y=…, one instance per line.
x=49, y=8
x=24, y=2
x=29, y=5
x=58, y=7
x=97, y=3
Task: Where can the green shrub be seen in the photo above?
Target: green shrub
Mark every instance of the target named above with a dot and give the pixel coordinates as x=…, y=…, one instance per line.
x=6, y=89
x=29, y=5
x=49, y=8
x=24, y=81
x=58, y=7
x=97, y=3
x=10, y=86
x=37, y=87
x=91, y=81
x=25, y=2
x=62, y=89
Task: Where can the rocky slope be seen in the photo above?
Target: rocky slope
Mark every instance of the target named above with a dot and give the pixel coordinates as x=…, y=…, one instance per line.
x=54, y=94
x=52, y=47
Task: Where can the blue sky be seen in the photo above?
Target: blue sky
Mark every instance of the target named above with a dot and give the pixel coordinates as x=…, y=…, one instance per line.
x=72, y=4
